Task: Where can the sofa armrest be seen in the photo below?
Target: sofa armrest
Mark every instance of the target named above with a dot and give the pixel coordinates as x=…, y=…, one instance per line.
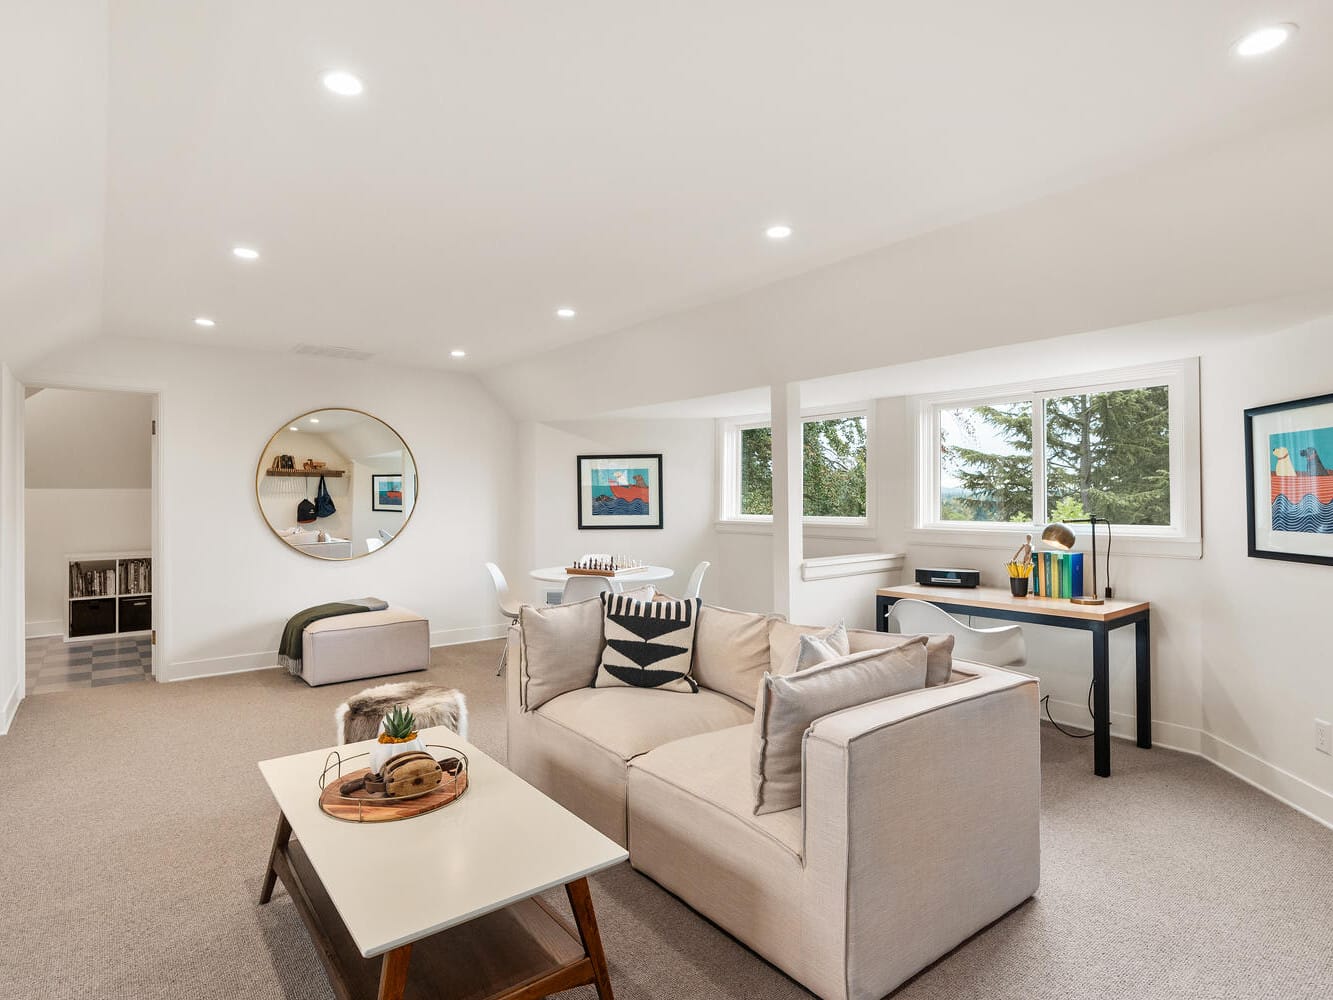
x=921, y=822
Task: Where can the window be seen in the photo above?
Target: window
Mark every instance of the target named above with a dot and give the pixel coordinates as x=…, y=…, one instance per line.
x=1123, y=447
x=834, y=469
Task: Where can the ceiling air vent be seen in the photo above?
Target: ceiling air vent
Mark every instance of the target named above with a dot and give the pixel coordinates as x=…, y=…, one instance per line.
x=321, y=351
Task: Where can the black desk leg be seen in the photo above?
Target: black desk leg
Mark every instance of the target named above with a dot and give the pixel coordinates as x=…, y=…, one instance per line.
x=1143, y=682
x=1101, y=701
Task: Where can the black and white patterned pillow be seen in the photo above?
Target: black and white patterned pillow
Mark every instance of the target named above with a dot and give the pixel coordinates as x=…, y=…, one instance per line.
x=649, y=644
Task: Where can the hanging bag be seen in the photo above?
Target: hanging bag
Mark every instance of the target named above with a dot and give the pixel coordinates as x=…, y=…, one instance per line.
x=323, y=502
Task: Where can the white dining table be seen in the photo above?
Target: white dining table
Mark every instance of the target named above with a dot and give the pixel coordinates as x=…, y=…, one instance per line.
x=642, y=575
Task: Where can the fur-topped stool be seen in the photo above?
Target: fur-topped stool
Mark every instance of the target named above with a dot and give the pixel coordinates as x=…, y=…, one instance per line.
x=359, y=716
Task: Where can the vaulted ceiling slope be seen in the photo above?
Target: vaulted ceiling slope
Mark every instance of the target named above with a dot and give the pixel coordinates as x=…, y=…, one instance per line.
x=510, y=158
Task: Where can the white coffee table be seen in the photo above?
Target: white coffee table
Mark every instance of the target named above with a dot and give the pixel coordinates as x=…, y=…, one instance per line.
x=451, y=893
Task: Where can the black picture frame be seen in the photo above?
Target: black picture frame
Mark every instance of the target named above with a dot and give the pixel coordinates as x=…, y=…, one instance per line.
x=645, y=466
x=1260, y=420
x=375, y=504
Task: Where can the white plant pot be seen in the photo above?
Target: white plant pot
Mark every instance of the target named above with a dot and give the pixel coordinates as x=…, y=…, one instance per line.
x=381, y=753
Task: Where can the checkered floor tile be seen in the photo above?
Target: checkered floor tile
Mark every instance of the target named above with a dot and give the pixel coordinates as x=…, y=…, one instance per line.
x=56, y=665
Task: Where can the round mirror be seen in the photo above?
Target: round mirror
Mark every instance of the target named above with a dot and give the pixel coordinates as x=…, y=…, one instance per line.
x=368, y=491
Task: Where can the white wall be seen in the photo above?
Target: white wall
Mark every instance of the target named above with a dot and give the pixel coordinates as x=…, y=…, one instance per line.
x=279, y=496
x=548, y=477
x=88, y=440
x=11, y=547
x=367, y=522
x=61, y=523
x=223, y=584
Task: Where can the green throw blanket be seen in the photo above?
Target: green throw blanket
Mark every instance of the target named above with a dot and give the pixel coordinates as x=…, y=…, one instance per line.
x=289, y=650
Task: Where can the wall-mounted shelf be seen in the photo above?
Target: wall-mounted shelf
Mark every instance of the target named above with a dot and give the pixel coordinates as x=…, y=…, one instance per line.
x=332, y=473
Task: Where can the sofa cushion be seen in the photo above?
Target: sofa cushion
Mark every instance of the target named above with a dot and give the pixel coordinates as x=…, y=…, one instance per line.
x=630, y=721
x=649, y=644
x=731, y=651
x=939, y=650
x=789, y=705
x=562, y=646
x=715, y=769
x=784, y=643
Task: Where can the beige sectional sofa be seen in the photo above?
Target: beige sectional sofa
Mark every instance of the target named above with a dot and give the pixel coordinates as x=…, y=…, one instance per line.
x=919, y=822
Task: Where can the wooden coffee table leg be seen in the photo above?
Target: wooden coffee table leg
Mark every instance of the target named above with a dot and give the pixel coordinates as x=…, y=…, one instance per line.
x=580, y=901
x=280, y=838
x=393, y=973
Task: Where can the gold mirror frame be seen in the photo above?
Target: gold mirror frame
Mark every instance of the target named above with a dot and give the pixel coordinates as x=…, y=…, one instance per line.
x=259, y=473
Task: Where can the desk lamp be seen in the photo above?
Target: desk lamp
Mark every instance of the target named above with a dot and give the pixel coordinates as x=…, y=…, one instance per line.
x=1061, y=536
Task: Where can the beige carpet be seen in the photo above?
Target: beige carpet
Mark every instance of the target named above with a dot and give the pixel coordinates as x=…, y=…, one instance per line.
x=131, y=853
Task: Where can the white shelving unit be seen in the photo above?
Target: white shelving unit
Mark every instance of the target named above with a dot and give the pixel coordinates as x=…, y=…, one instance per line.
x=108, y=594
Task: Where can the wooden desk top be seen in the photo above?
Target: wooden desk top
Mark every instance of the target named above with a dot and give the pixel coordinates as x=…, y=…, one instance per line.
x=999, y=599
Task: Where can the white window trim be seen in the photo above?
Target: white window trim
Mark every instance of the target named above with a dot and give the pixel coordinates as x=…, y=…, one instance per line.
x=729, y=519
x=1182, y=539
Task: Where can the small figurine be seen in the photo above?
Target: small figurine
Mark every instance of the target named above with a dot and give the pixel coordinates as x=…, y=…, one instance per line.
x=1024, y=553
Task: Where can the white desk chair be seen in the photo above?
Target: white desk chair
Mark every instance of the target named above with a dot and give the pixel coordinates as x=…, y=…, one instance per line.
x=374, y=543
x=1003, y=646
x=508, y=607
x=581, y=588
x=696, y=581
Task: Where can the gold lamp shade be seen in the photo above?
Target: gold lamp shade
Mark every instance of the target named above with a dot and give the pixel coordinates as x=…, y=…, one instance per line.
x=1058, y=534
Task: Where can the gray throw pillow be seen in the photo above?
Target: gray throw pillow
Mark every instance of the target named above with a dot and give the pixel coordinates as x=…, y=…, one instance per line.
x=789, y=705
x=562, y=646
x=820, y=647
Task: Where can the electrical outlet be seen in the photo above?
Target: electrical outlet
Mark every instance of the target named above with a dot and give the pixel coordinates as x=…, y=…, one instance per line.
x=1323, y=737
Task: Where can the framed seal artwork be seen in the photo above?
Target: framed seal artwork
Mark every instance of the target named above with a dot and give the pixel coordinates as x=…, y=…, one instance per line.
x=1289, y=480
x=620, y=491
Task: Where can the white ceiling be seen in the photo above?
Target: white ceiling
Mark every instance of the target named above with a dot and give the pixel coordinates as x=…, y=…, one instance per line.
x=509, y=158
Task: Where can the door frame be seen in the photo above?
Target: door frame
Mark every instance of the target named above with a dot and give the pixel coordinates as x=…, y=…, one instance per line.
x=157, y=532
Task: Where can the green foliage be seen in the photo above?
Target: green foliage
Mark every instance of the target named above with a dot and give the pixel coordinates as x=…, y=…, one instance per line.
x=399, y=723
x=1107, y=453
x=834, y=468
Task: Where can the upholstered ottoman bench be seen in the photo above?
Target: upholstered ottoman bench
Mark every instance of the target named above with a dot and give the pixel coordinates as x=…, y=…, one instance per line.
x=369, y=644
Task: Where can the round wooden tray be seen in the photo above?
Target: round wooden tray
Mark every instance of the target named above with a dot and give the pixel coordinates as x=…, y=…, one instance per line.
x=363, y=807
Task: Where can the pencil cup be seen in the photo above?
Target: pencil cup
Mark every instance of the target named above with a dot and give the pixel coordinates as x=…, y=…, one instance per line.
x=1018, y=586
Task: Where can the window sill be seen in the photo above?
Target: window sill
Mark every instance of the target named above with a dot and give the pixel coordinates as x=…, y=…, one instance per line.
x=1008, y=537
x=857, y=564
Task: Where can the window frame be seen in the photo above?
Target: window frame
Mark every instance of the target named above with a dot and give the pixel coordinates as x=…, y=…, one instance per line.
x=1183, y=537
x=729, y=517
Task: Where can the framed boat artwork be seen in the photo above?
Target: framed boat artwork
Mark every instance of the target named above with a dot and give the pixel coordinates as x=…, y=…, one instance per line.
x=386, y=492
x=620, y=491
x=1289, y=473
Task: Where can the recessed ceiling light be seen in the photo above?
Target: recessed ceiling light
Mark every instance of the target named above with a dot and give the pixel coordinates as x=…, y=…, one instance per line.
x=342, y=83
x=564, y=312
x=204, y=321
x=1256, y=43
x=293, y=427
x=458, y=354
x=777, y=232
x=245, y=253
x=314, y=420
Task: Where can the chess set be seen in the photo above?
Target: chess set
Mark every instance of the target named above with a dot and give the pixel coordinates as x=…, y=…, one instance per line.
x=605, y=565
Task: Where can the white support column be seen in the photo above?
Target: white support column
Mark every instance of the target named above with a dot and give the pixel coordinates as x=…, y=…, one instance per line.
x=788, y=491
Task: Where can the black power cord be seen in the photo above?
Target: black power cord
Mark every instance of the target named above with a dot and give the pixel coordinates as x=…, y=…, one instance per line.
x=1046, y=704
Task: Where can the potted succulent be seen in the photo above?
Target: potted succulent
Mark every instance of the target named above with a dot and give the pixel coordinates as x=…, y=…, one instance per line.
x=398, y=734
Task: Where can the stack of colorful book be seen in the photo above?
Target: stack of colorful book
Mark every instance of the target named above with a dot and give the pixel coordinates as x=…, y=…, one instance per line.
x=1057, y=574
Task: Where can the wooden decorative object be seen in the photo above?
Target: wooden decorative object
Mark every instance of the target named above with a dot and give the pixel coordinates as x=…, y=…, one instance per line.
x=413, y=785
x=577, y=571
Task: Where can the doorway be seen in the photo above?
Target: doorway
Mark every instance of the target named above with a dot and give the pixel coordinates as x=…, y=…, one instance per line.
x=89, y=512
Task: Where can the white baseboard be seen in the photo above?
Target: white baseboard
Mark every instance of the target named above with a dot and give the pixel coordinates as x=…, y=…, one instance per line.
x=457, y=636
x=240, y=663
x=9, y=709
x=1282, y=785
x=40, y=630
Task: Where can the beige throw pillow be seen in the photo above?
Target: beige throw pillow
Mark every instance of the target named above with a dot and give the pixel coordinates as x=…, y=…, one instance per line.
x=939, y=650
x=562, y=646
x=731, y=651
x=788, y=706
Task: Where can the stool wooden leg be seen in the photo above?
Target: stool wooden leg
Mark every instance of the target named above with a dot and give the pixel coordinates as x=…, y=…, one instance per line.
x=393, y=973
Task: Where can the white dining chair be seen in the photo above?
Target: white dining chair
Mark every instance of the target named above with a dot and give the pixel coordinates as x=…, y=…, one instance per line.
x=581, y=588
x=1002, y=646
x=374, y=543
x=508, y=607
x=696, y=580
